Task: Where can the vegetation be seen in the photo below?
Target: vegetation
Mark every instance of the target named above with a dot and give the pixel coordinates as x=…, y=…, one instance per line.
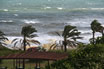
x=96, y=27
x=85, y=57
x=2, y=38
x=100, y=40
x=27, y=32
x=69, y=35
x=69, y=32
x=5, y=51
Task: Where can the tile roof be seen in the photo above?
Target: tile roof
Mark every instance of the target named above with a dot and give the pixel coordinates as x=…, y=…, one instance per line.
x=36, y=55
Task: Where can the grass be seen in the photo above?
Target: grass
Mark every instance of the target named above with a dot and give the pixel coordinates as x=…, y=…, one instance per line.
x=6, y=51
x=28, y=65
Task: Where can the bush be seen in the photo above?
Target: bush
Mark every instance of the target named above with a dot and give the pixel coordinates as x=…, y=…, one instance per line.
x=100, y=40
x=84, y=57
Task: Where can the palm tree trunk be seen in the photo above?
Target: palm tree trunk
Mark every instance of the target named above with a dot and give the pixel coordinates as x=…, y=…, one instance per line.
x=102, y=33
x=93, y=37
x=65, y=44
x=24, y=46
x=24, y=43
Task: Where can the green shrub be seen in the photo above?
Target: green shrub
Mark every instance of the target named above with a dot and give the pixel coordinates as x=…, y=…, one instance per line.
x=84, y=57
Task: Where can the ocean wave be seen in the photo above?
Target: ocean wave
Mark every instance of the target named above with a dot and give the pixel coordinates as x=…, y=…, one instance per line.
x=31, y=21
x=85, y=32
x=60, y=8
x=15, y=14
x=47, y=7
x=9, y=10
x=79, y=23
x=75, y=9
x=6, y=21
x=5, y=10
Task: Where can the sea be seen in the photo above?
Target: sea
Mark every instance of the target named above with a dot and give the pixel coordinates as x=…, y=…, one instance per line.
x=50, y=16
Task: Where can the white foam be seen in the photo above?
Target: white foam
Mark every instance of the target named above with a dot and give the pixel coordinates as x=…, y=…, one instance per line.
x=44, y=38
x=85, y=32
x=15, y=14
x=30, y=21
x=88, y=9
x=47, y=7
x=96, y=8
x=59, y=8
x=5, y=10
x=6, y=21
x=80, y=23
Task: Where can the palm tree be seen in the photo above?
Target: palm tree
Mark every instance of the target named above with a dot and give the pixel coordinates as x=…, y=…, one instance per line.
x=27, y=32
x=95, y=26
x=2, y=38
x=69, y=32
x=69, y=35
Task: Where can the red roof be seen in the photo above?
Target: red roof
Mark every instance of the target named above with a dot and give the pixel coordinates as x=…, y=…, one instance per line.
x=36, y=55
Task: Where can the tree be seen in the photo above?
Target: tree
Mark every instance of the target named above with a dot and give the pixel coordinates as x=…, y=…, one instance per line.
x=27, y=32
x=69, y=35
x=2, y=38
x=96, y=27
x=69, y=32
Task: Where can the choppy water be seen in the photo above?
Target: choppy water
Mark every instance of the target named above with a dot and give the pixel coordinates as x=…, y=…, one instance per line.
x=48, y=16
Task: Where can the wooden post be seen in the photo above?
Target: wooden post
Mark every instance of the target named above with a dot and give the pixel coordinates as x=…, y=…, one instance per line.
x=19, y=62
x=36, y=65
x=23, y=63
x=48, y=64
x=39, y=64
x=14, y=64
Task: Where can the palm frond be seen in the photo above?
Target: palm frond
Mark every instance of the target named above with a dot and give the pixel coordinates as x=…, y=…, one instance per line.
x=33, y=35
x=55, y=46
x=58, y=33
x=74, y=32
x=52, y=46
x=27, y=30
x=77, y=37
x=15, y=43
x=27, y=43
x=71, y=43
x=21, y=40
x=67, y=30
x=1, y=33
x=14, y=40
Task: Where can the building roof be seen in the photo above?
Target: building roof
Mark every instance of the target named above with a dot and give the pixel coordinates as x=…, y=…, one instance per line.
x=36, y=55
